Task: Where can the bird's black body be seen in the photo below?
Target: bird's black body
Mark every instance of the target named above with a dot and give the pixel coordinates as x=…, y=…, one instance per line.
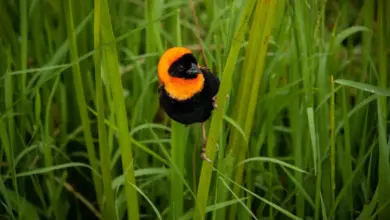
x=196, y=109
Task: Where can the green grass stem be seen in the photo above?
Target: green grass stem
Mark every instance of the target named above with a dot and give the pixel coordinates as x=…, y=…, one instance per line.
x=108, y=207
x=213, y=134
x=85, y=120
x=111, y=67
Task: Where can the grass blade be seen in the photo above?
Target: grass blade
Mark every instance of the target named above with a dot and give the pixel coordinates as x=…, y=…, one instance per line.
x=81, y=101
x=227, y=76
x=364, y=87
x=109, y=208
x=111, y=67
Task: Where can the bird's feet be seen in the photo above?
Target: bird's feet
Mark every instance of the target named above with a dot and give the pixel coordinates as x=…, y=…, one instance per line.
x=204, y=143
x=204, y=156
x=203, y=153
x=215, y=101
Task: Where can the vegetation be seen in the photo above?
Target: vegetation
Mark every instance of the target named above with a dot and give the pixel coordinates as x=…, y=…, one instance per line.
x=304, y=133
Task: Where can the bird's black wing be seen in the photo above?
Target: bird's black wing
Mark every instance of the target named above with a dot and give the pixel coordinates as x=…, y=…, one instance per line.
x=211, y=81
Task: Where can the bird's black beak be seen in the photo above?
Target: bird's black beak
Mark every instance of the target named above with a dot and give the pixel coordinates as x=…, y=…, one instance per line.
x=194, y=70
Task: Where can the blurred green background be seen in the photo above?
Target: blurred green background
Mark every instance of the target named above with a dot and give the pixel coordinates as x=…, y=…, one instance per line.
x=304, y=134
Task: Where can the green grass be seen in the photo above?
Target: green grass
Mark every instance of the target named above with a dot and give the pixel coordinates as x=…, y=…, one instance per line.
x=304, y=133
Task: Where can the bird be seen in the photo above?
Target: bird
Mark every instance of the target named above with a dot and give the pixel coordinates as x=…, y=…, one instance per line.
x=187, y=91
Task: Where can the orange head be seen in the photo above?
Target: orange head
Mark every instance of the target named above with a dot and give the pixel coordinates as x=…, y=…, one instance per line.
x=179, y=73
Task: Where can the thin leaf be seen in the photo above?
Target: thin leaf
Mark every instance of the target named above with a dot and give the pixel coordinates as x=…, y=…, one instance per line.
x=364, y=87
x=272, y=160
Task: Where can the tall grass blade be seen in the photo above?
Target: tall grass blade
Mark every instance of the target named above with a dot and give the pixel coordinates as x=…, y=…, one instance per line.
x=109, y=208
x=227, y=76
x=111, y=68
x=382, y=105
x=264, y=12
x=81, y=101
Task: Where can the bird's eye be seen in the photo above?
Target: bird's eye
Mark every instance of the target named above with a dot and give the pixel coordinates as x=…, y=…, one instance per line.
x=181, y=68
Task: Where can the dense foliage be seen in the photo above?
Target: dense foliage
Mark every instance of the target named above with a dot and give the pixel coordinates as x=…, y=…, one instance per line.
x=304, y=133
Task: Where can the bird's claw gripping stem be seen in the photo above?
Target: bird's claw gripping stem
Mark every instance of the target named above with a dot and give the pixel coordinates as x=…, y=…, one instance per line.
x=215, y=106
x=204, y=143
x=215, y=101
x=203, y=155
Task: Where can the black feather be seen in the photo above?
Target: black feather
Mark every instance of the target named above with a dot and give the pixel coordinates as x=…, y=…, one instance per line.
x=196, y=109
